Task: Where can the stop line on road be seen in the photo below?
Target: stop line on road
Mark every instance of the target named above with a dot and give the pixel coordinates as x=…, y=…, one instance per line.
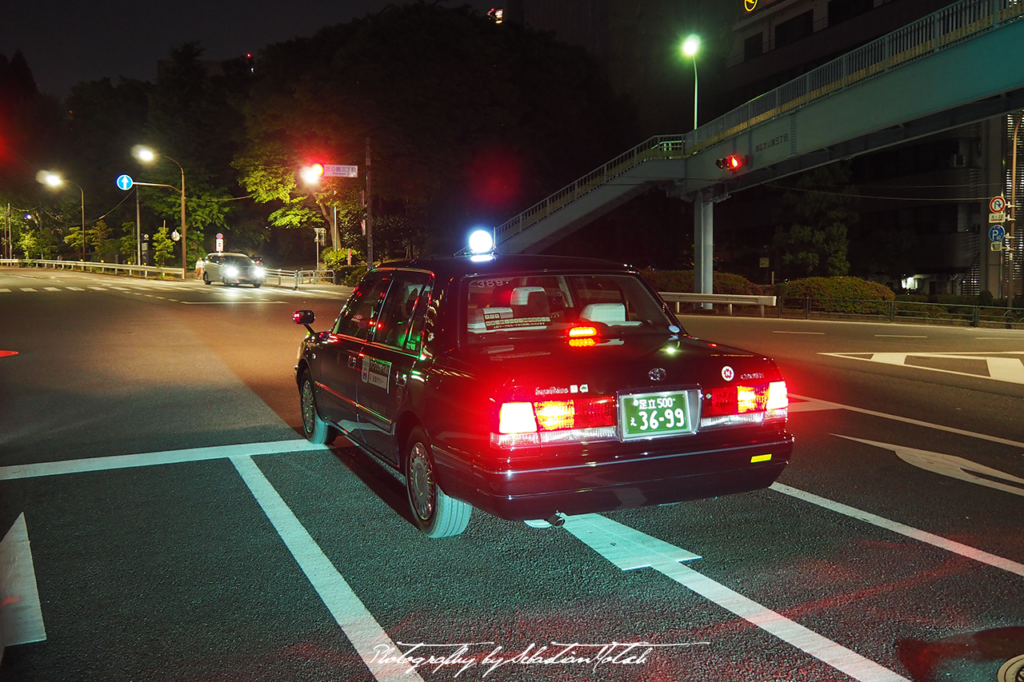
x=1005, y=366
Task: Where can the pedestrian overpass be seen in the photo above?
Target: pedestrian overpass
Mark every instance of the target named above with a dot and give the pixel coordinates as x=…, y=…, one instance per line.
x=962, y=64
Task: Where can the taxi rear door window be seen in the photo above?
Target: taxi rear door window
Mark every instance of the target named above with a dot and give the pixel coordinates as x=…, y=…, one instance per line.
x=400, y=323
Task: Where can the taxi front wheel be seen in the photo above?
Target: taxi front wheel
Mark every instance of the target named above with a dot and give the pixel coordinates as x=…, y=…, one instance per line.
x=434, y=513
x=315, y=429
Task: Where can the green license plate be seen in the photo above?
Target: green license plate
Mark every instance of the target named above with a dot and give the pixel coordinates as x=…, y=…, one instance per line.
x=657, y=415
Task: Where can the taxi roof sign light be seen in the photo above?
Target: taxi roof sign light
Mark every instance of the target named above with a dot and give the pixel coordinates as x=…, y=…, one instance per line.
x=481, y=242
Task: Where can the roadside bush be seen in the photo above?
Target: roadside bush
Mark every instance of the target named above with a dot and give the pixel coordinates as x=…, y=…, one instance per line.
x=681, y=281
x=839, y=287
x=843, y=294
x=354, y=274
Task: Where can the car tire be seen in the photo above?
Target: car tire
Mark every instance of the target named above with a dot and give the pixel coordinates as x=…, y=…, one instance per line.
x=314, y=428
x=436, y=514
x=206, y=278
x=256, y=285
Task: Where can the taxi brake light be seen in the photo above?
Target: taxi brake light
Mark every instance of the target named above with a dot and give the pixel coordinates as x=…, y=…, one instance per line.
x=737, y=405
x=555, y=421
x=582, y=332
x=517, y=418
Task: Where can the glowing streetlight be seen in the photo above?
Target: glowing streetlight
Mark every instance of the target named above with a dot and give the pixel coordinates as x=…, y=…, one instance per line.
x=55, y=180
x=691, y=46
x=147, y=155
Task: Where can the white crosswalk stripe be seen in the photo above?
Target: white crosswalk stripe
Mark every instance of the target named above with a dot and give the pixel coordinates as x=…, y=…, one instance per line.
x=27, y=289
x=5, y=291
x=51, y=288
x=76, y=289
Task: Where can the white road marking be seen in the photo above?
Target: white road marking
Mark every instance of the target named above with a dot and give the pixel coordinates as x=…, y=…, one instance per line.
x=5, y=291
x=908, y=531
x=27, y=289
x=948, y=465
x=805, y=333
x=889, y=358
x=75, y=466
x=98, y=288
x=607, y=537
x=120, y=288
x=21, y=616
x=76, y=289
x=915, y=422
x=228, y=302
x=358, y=624
x=51, y=288
x=899, y=336
x=1006, y=369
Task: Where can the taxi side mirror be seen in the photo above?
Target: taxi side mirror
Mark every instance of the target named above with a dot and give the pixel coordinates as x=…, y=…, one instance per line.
x=305, y=318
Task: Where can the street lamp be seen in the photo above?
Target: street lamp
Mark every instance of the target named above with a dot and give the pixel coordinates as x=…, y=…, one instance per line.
x=54, y=180
x=691, y=46
x=147, y=155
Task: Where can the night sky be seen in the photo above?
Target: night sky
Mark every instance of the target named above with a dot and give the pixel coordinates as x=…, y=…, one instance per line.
x=68, y=41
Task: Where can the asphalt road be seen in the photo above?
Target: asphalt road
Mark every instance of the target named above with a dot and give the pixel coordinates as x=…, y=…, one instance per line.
x=180, y=530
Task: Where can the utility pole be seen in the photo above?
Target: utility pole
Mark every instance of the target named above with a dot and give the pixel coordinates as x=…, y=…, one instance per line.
x=369, y=211
x=1013, y=208
x=10, y=248
x=138, y=229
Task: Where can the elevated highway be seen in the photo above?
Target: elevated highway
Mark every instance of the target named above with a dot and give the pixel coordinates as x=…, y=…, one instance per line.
x=962, y=64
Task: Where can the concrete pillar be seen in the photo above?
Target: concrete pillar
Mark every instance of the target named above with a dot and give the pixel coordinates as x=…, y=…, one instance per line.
x=703, y=246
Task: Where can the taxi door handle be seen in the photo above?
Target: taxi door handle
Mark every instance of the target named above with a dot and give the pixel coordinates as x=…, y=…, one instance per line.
x=352, y=361
x=401, y=378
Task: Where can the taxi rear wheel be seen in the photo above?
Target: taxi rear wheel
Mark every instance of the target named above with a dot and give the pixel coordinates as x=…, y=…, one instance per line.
x=315, y=429
x=206, y=278
x=434, y=513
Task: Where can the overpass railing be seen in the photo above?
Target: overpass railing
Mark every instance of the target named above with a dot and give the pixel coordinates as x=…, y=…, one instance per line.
x=935, y=32
x=957, y=314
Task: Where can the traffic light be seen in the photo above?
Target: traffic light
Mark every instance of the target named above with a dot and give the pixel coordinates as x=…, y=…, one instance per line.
x=312, y=174
x=733, y=163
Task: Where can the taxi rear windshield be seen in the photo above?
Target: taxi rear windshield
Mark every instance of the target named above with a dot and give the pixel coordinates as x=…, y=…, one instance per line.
x=547, y=306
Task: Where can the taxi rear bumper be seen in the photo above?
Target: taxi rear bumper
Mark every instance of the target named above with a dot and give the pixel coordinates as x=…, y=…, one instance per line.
x=519, y=494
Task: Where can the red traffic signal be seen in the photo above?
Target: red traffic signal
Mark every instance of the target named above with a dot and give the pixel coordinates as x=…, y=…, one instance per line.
x=733, y=162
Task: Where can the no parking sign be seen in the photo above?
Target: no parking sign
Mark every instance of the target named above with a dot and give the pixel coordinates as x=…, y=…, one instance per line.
x=220, y=243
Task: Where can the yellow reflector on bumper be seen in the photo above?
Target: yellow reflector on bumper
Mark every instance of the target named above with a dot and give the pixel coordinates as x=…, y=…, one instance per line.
x=760, y=458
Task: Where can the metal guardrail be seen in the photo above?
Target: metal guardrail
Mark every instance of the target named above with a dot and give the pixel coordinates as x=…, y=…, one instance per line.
x=933, y=33
x=86, y=266
x=728, y=300
x=902, y=311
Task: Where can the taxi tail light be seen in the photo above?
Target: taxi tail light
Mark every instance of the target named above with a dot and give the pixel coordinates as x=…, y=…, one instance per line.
x=555, y=421
x=739, y=405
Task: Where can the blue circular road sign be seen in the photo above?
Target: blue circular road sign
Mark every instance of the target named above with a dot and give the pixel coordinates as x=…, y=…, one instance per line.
x=124, y=181
x=996, y=233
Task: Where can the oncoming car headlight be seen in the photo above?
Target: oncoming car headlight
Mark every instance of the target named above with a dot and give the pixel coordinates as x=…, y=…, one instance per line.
x=231, y=271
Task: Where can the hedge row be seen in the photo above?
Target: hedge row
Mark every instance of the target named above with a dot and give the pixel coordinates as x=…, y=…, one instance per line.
x=681, y=281
x=835, y=287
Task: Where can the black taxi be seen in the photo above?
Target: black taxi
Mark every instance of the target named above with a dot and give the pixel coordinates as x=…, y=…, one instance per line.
x=533, y=387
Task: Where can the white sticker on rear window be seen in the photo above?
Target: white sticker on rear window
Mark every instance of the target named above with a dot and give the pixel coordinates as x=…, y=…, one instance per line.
x=376, y=372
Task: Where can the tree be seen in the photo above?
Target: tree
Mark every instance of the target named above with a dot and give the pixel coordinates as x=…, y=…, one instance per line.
x=127, y=244
x=822, y=206
x=193, y=119
x=98, y=237
x=162, y=246
x=465, y=136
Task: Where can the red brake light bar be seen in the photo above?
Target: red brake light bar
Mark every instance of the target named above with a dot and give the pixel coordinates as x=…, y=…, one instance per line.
x=734, y=405
x=555, y=421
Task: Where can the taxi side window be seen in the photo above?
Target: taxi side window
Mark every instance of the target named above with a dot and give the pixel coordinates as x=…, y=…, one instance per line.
x=400, y=323
x=359, y=314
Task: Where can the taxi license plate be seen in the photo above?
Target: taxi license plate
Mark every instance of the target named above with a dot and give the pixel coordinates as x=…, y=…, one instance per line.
x=658, y=415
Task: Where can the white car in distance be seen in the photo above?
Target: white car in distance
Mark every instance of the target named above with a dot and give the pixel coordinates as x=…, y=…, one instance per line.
x=232, y=269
